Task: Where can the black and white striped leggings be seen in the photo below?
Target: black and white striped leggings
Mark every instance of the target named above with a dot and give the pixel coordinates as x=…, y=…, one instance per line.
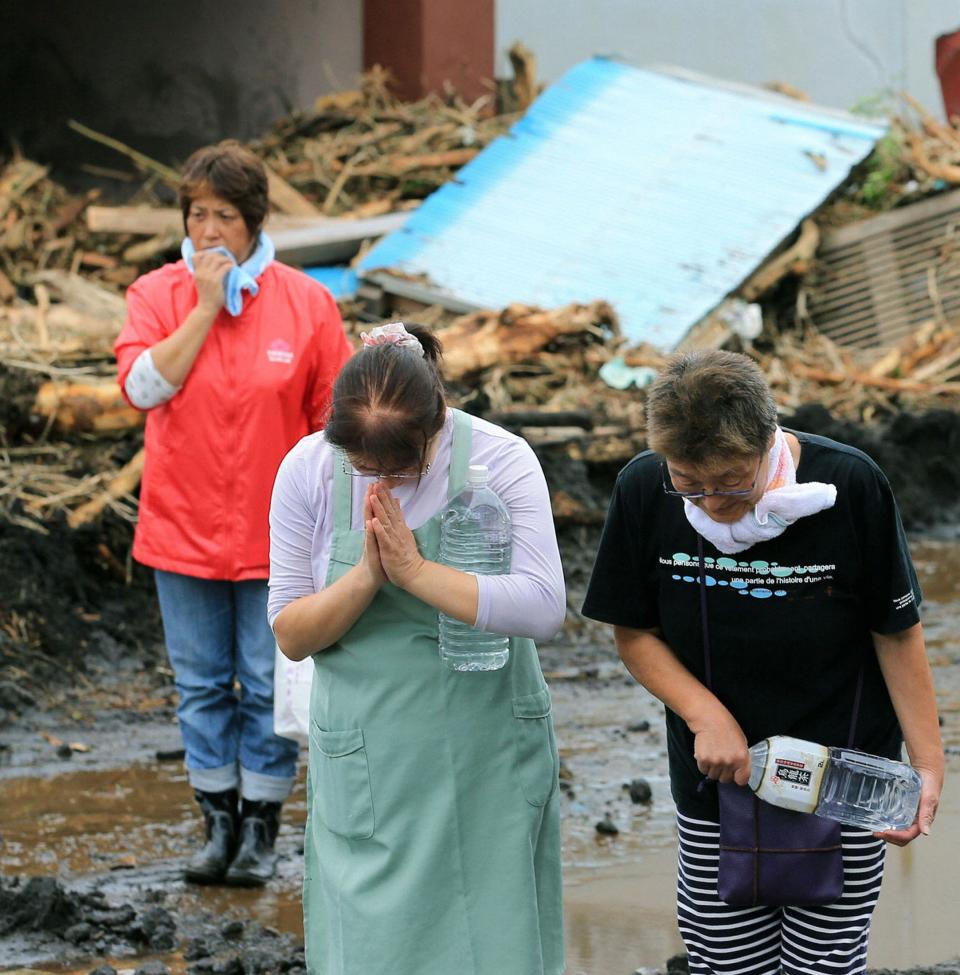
x=724, y=940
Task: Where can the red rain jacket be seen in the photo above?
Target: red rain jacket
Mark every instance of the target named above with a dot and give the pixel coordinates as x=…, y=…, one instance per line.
x=260, y=382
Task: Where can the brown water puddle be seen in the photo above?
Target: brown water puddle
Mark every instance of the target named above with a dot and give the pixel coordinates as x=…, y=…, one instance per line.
x=84, y=822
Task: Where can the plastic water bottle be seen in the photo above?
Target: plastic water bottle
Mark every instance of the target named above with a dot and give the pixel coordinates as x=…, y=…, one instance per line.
x=474, y=537
x=838, y=783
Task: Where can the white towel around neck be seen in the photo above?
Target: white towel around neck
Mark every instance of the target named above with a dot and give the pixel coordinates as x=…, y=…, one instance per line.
x=782, y=503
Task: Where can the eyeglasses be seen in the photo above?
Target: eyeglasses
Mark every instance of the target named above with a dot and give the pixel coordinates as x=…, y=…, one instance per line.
x=380, y=475
x=668, y=487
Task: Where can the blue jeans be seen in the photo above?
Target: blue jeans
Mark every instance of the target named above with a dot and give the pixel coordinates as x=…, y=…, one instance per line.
x=217, y=633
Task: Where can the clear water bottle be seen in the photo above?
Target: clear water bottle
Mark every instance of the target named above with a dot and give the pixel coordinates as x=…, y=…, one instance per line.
x=474, y=537
x=852, y=787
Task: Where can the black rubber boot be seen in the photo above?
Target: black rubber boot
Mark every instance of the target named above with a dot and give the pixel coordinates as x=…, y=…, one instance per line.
x=209, y=865
x=255, y=861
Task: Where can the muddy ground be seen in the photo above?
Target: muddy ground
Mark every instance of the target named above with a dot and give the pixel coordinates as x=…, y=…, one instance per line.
x=96, y=815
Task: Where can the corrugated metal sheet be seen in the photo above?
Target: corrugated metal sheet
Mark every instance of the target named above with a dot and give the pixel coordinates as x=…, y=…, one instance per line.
x=657, y=191
x=877, y=281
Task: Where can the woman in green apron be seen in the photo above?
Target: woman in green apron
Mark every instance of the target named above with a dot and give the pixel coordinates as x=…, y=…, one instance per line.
x=432, y=843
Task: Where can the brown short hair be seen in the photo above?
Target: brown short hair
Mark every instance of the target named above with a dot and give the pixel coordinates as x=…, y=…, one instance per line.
x=229, y=171
x=709, y=406
x=388, y=402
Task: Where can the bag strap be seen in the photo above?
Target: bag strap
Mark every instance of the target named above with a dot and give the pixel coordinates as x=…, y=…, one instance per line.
x=703, y=613
x=705, y=629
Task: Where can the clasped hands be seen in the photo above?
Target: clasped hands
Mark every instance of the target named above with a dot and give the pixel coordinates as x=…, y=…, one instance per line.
x=389, y=549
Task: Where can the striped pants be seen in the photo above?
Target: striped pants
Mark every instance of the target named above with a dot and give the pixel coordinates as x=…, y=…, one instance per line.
x=724, y=940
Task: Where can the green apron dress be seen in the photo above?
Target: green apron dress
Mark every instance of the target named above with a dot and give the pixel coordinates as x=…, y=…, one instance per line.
x=433, y=831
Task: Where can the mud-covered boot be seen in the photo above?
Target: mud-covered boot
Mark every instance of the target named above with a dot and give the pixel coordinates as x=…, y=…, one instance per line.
x=255, y=861
x=208, y=866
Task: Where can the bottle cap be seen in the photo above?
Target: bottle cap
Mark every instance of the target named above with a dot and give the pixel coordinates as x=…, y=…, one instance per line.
x=478, y=475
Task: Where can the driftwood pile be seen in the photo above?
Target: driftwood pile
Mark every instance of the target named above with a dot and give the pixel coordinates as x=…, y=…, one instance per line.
x=357, y=155
x=922, y=373
x=362, y=153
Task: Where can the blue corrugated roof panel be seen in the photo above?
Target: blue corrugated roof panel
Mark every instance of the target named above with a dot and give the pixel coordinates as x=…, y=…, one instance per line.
x=659, y=192
x=338, y=279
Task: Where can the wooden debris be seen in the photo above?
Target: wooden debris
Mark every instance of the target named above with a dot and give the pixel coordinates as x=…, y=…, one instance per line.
x=794, y=260
x=90, y=407
x=155, y=221
x=484, y=339
x=134, y=220
x=286, y=199
x=17, y=178
x=524, y=65
x=142, y=161
x=947, y=171
x=785, y=88
x=82, y=294
x=148, y=249
x=810, y=368
x=299, y=239
x=7, y=291
x=124, y=483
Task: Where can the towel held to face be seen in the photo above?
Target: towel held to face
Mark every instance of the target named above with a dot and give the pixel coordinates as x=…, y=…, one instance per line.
x=241, y=277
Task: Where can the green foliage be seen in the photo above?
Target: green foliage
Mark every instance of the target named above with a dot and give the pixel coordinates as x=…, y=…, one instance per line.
x=884, y=170
x=880, y=105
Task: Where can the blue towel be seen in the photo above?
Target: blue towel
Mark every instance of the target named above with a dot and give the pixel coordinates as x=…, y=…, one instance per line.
x=241, y=277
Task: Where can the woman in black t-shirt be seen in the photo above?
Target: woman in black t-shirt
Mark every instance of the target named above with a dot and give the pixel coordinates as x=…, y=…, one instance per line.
x=809, y=581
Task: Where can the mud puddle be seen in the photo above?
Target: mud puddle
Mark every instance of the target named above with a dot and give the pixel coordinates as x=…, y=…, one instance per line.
x=118, y=835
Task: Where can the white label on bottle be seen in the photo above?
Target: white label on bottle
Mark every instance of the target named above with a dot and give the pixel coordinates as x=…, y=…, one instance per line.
x=792, y=773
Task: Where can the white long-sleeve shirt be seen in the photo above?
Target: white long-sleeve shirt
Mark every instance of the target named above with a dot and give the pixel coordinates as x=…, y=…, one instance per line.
x=529, y=601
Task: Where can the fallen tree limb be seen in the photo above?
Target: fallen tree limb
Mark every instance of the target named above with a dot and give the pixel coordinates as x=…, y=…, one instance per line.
x=398, y=165
x=154, y=221
x=486, y=338
x=18, y=177
x=863, y=378
x=90, y=407
x=793, y=260
x=948, y=172
x=125, y=482
x=945, y=133
x=524, y=64
x=286, y=198
x=141, y=160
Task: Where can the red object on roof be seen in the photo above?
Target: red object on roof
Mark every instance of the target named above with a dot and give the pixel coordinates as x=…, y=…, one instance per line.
x=948, y=71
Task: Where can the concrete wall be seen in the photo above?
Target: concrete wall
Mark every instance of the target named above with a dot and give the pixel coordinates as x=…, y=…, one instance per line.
x=840, y=52
x=167, y=76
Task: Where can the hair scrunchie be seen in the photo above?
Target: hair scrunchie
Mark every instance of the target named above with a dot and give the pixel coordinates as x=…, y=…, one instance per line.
x=393, y=333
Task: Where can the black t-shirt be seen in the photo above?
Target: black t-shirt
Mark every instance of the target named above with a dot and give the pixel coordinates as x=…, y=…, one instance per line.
x=789, y=619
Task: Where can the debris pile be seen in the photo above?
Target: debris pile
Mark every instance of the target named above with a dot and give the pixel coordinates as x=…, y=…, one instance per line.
x=356, y=155
x=70, y=448
x=362, y=153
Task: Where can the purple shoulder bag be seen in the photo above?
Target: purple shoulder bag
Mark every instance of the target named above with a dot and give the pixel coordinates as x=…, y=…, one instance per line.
x=771, y=856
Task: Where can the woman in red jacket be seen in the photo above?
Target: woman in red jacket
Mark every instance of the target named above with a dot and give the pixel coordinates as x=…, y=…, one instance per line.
x=234, y=355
